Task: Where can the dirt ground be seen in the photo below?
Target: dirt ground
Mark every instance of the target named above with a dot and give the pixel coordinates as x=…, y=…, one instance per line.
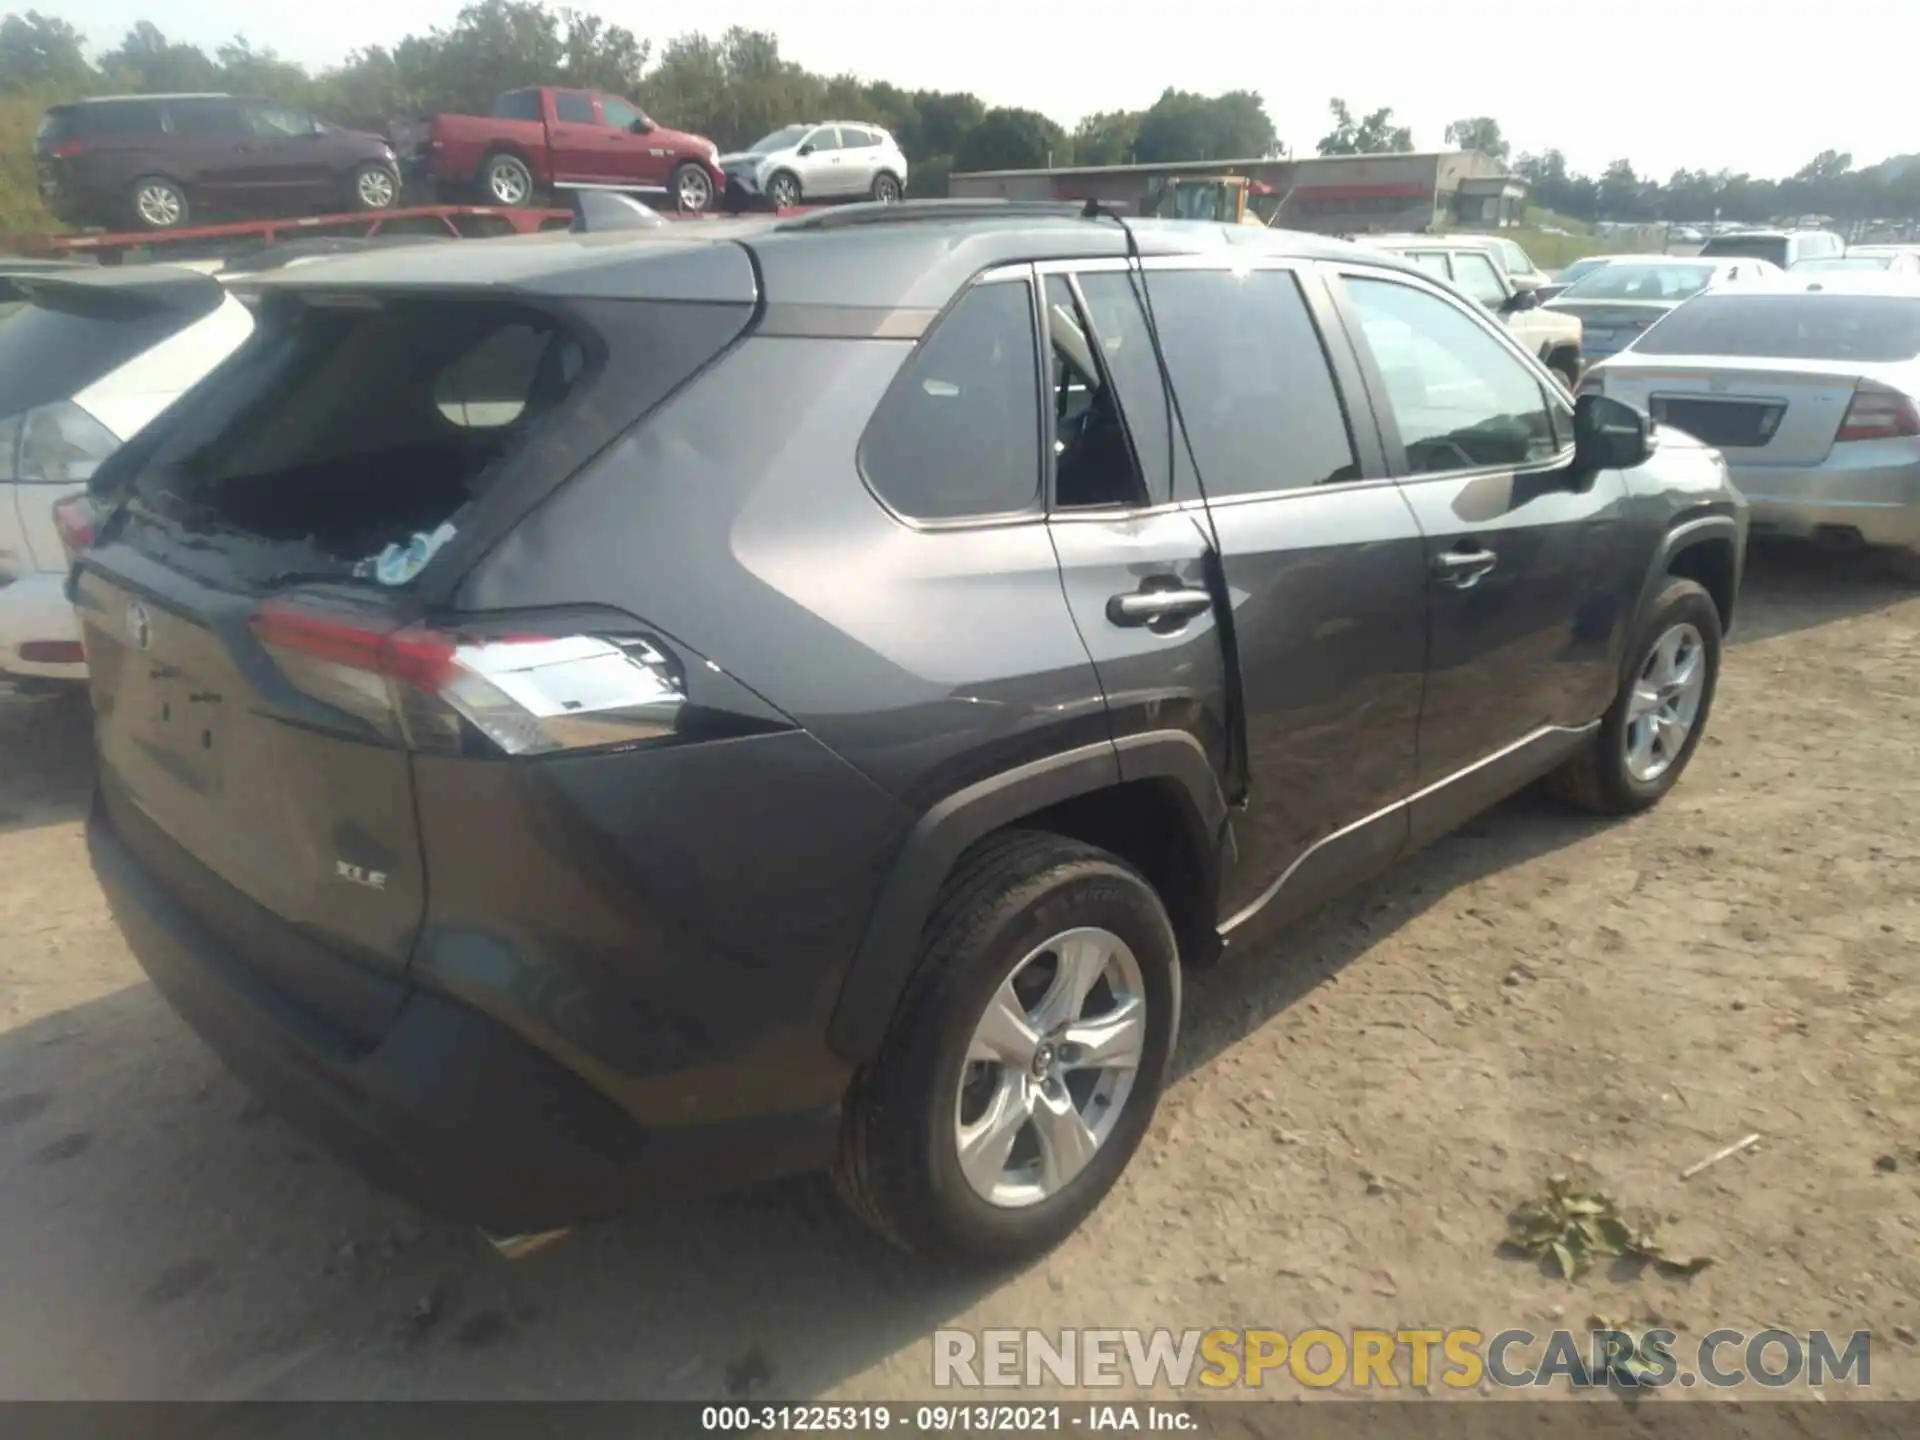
x=1357, y=1109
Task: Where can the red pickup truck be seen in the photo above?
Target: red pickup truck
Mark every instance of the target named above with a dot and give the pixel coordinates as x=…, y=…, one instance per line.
x=549, y=137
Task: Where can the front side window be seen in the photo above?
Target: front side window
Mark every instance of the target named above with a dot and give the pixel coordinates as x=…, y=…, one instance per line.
x=618, y=113
x=958, y=434
x=1474, y=273
x=276, y=122
x=570, y=107
x=825, y=138
x=1092, y=460
x=1252, y=378
x=1460, y=399
x=1516, y=260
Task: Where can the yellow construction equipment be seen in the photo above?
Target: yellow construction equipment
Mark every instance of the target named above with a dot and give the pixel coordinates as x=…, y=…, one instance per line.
x=1215, y=199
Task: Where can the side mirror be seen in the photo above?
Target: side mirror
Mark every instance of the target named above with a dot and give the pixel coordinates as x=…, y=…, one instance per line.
x=642, y=126
x=1520, y=300
x=806, y=149
x=1609, y=434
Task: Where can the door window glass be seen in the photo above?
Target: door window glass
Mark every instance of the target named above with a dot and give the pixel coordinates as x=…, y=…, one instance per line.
x=1461, y=399
x=618, y=113
x=825, y=138
x=958, y=434
x=1474, y=273
x=573, y=108
x=1259, y=401
x=1092, y=460
x=1433, y=261
x=275, y=122
x=517, y=105
x=206, y=117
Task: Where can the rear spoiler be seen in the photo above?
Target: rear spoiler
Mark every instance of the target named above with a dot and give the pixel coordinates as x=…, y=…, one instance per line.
x=113, y=293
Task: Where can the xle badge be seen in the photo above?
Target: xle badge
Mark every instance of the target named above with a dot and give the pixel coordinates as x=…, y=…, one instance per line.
x=360, y=875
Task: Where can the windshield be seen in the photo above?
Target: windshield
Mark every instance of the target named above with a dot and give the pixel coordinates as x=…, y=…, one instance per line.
x=1641, y=282
x=1581, y=267
x=1868, y=328
x=1847, y=262
x=783, y=139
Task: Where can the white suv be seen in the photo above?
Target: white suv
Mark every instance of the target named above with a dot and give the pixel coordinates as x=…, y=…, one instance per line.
x=87, y=359
x=823, y=160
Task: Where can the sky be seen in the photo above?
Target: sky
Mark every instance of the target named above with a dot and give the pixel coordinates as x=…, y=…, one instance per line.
x=1707, y=84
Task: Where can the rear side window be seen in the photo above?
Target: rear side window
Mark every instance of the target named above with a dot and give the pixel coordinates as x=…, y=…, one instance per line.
x=1870, y=328
x=517, y=105
x=570, y=107
x=102, y=118
x=206, y=117
x=958, y=434
x=1255, y=389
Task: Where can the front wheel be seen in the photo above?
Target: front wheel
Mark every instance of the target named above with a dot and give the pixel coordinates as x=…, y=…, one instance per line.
x=1026, y=1059
x=158, y=203
x=375, y=187
x=784, y=189
x=1655, y=722
x=691, y=188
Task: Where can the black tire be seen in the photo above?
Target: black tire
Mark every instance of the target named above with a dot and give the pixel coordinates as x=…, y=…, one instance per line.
x=366, y=192
x=899, y=1166
x=784, y=188
x=157, y=202
x=497, y=169
x=887, y=189
x=685, y=182
x=1568, y=369
x=1598, y=777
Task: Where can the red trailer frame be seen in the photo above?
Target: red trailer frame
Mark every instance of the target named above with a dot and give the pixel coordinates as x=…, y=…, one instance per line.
x=473, y=222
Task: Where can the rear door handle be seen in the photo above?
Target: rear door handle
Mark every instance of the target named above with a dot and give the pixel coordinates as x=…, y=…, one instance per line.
x=1144, y=607
x=1463, y=569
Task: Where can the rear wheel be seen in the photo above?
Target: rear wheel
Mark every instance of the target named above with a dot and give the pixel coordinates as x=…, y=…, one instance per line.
x=1567, y=367
x=886, y=188
x=375, y=187
x=505, y=179
x=1026, y=1059
x=1655, y=722
x=158, y=203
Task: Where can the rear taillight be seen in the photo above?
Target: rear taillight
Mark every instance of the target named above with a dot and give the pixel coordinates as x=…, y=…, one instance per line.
x=1879, y=412
x=73, y=520
x=522, y=694
x=68, y=149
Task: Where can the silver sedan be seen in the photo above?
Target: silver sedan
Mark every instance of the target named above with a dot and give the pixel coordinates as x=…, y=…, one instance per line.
x=1809, y=388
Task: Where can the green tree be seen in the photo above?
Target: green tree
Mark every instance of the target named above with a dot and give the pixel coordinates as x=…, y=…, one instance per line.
x=41, y=52
x=1482, y=133
x=1107, y=138
x=1181, y=125
x=149, y=62
x=1374, y=135
x=1010, y=139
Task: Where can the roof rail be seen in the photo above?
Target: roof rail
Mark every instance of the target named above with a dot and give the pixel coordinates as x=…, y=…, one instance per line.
x=841, y=217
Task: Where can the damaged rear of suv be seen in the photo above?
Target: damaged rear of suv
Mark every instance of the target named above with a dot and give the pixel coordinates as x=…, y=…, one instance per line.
x=594, y=717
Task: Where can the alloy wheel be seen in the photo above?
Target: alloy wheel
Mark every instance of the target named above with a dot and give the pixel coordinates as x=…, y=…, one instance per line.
x=376, y=189
x=784, y=191
x=695, y=191
x=1665, y=702
x=1050, y=1067
x=160, y=206
x=507, y=182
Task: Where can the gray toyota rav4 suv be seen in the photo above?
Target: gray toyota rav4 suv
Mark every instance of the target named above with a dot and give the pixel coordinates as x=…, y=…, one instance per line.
x=593, y=717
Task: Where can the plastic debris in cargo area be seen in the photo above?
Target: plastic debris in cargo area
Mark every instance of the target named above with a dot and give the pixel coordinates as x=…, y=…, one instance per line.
x=397, y=564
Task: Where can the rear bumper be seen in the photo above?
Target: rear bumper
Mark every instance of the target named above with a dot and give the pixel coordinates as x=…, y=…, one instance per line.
x=449, y=1109
x=34, y=611
x=1877, y=498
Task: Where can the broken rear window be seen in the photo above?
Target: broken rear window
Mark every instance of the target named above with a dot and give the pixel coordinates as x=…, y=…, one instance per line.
x=344, y=429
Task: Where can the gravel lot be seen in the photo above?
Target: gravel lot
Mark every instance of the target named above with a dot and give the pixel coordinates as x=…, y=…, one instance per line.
x=1357, y=1109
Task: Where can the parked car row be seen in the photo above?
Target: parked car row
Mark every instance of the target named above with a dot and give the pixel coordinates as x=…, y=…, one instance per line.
x=1193, y=590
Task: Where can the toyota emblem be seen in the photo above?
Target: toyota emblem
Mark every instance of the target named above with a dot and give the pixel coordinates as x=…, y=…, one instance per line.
x=139, y=626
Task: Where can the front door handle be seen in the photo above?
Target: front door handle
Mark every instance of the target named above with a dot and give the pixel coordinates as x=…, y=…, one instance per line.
x=1463, y=569
x=1148, y=607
